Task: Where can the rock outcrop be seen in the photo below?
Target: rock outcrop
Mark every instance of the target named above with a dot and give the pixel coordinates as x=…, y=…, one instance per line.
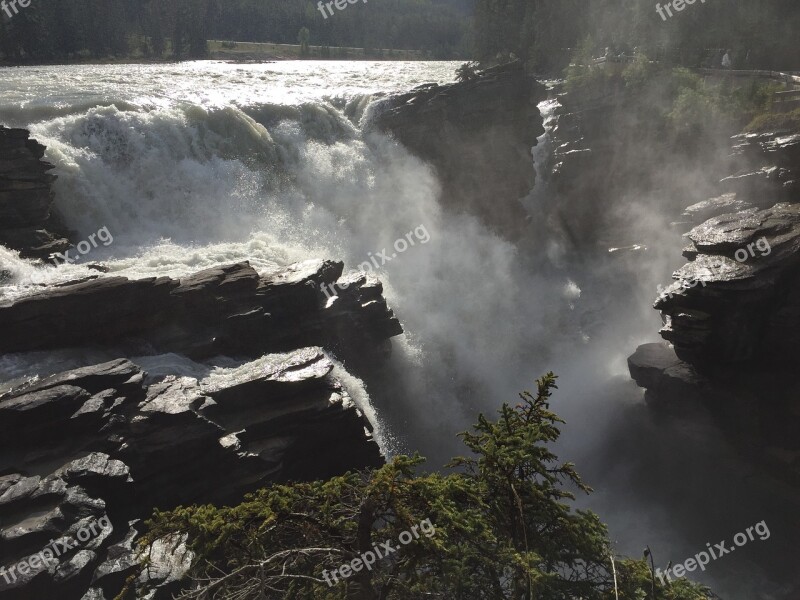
x=478, y=134
x=26, y=198
x=227, y=310
x=106, y=443
x=733, y=316
x=95, y=449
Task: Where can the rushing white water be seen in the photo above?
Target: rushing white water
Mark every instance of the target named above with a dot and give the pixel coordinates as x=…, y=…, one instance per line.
x=199, y=164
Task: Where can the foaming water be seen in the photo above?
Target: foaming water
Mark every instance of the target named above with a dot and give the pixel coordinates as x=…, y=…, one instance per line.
x=201, y=164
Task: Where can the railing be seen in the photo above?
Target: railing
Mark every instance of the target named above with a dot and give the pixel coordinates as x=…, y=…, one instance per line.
x=786, y=101
x=787, y=78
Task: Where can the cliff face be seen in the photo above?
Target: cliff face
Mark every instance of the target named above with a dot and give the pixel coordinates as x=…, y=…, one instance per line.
x=733, y=316
x=478, y=135
x=85, y=455
x=26, y=223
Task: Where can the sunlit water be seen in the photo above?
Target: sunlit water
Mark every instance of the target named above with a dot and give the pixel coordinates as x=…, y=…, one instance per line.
x=198, y=164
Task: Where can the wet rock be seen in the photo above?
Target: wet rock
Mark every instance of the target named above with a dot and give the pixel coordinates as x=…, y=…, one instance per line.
x=478, y=135
x=53, y=530
x=733, y=316
x=657, y=368
x=26, y=198
x=713, y=207
x=223, y=310
x=177, y=441
x=745, y=306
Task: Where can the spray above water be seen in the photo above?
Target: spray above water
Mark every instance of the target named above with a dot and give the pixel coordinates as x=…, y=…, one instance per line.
x=185, y=180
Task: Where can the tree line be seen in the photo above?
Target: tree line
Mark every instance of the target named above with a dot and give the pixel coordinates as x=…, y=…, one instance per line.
x=545, y=32
x=65, y=30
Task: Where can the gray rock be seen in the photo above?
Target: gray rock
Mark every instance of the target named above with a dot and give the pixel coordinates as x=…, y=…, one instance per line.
x=281, y=417
x=735, y=328
x=478, y=135
x=225, y=310
x=713, y=207
x=747, y=265
x=26, y=198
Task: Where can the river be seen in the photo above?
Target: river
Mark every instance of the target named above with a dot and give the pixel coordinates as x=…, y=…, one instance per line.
x=197, y=164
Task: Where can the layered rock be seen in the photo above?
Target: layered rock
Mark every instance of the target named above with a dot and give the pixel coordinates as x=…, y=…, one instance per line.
x=98, y=445
x=733, y=316
x=613, y=149
x=224, y=310
x=776, y=177
x=478, y=135
x=140, y=443
x=26, y=198
x=596, y=162
x=744, y=300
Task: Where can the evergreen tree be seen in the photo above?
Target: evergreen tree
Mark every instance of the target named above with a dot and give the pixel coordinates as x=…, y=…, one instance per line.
x=498, y=527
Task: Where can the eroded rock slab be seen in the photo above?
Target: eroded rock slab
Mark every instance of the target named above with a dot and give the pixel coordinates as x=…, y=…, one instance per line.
x=223, y=310
x=131, y=447
x=744, y=296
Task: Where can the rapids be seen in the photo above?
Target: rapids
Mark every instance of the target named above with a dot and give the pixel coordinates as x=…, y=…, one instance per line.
x=198, y=164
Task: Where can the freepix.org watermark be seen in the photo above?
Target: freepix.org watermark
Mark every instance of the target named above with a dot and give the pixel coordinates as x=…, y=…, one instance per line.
x=741, y=255
x=86, y=246
x=339, y=4
x=9, y=5
x=55, y=549
x=368, y=558
x=678, y=5
x=400, y=245
x=702, y=559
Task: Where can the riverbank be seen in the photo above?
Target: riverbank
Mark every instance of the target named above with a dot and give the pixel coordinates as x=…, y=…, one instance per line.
x=246, y=52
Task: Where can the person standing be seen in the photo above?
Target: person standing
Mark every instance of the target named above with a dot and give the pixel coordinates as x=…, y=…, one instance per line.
x=726, y=60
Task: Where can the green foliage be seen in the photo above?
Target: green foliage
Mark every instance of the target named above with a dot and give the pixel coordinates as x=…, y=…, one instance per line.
x=635, y=582
x=676, y=100
x=504, y=528
x=697, y=105
x=467, y=72
x=546, y=32
x=584, y=77
x=639, y=72
x=772, y=122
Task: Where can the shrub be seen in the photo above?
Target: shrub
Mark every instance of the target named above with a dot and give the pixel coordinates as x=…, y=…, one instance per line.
x=467, y=72
x=504, y=528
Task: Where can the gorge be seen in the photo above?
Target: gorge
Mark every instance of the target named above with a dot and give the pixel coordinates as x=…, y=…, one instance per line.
x=202, y=355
